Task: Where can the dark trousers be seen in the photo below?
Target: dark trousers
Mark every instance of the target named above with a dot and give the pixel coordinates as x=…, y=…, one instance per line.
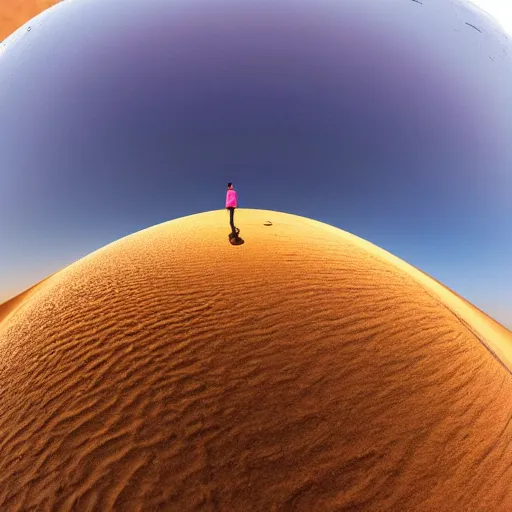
x=232, y=220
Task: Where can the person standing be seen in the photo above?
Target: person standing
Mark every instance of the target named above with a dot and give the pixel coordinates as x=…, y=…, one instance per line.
x=231, y=204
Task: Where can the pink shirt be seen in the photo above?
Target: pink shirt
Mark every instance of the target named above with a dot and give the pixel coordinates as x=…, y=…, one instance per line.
x=231, y=199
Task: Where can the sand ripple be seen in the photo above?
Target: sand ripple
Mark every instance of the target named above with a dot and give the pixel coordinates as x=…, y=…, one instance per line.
x=299, y=371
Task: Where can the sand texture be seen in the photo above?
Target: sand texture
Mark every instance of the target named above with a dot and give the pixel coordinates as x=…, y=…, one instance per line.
x=304, y=370
x=15, y=13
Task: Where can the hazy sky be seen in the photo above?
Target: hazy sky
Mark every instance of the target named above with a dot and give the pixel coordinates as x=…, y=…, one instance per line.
x=500, y=9
x=391, y=120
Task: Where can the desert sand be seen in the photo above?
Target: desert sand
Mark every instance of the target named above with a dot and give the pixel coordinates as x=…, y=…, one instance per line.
x=15, y=13
x=306, y=369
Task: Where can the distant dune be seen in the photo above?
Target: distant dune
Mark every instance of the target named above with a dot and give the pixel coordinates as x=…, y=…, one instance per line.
x=304, y=370
x=14, y=13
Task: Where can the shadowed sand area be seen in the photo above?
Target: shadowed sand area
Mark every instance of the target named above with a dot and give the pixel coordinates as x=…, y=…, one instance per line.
x=15, y=13
x=306, y=370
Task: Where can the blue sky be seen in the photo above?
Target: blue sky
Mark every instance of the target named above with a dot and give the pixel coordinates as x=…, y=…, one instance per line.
x=391, y=120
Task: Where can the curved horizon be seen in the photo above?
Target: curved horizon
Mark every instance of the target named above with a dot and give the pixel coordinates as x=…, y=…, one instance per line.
x=357, y=114
x=491, y=333
x=306, y=367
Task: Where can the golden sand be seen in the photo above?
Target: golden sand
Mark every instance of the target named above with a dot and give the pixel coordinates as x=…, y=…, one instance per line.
x=304, y=370
x=15, y=13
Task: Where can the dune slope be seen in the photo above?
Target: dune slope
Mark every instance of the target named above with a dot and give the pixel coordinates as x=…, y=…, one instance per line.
x=304, y=370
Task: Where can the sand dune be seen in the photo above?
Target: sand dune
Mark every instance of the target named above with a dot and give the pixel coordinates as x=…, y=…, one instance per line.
x=14, y=13
x=304, y=370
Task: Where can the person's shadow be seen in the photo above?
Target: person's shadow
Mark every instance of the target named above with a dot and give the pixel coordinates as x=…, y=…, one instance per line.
x=234, y=238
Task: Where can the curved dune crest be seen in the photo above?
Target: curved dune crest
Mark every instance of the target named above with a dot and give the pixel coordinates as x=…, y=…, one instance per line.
x=304, y=370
